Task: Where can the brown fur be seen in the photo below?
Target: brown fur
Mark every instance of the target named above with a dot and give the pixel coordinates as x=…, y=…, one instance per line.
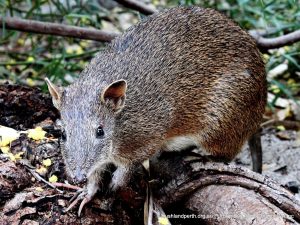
x=193, y=78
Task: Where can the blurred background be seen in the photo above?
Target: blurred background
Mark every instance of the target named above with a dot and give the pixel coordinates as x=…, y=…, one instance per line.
x=26, y=58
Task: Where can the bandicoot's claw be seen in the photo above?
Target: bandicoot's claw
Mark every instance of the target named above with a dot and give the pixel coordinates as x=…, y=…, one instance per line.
x=76, y=195
x=72, y=204
x=82, y=204
x=80, y=195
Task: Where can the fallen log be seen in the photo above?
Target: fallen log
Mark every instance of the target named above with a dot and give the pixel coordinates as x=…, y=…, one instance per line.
x=215, y=193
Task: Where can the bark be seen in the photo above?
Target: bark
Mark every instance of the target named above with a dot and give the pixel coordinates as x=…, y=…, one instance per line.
x=219, y=193
x=56, y=29
x=271, y=43
x=104, y=36
x=138, y=6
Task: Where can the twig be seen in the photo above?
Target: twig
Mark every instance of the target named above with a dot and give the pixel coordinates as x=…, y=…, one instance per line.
x=262, y=43
x=56, y=29
x=69, y=186
x=138, y=6
x=103, y=36
x=270, y=43
x=288, y=124
x=263, y=32
x=39, y=178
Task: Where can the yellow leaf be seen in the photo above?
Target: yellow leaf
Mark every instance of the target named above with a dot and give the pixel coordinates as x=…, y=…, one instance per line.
x=273, y=86
x=11, y=156
x=79, y=50
x=36, y=134
x=155, y=2
x=266, y=57
x=5, y=149
x=7, y=135
x=39, y=189
x=42, y=170
x=288, y=112
x=30, y=82
x=69, y=50
x=74, y=49
x=291, y=81
x=30, y=59
x=47, y=162
x=82, y=63
x=84, y=20
x=280, y=128
x=163, y=220
x=276, y=91
x=84, y=44
x=53, y=179
x=19, y=155
x=21, y=41
x=286, y=48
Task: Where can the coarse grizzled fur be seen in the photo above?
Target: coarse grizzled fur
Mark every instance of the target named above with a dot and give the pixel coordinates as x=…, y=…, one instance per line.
x=187, y=76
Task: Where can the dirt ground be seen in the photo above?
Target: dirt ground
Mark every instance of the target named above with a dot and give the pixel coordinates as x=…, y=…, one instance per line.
x=281, y=157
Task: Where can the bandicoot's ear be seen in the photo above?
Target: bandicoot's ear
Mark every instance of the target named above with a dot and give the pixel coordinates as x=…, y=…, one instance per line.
x=55, y=92
x=114, y=95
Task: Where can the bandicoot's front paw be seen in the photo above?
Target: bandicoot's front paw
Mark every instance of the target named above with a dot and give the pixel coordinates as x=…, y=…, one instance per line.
x=86, y=194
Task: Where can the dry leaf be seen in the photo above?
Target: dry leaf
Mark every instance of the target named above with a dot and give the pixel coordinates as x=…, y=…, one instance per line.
x=36, y=134
x=5, y=149
x=7, y=135
x=42, y=170
x=39, y=189
x=19, y=155
x=53, y=179
x=284, y=135
x=280, y=127
x=11, y=156
x=47, y=162
x=163, y=220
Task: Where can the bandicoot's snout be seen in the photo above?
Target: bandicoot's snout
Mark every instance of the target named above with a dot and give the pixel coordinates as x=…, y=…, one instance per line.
x=79, y=176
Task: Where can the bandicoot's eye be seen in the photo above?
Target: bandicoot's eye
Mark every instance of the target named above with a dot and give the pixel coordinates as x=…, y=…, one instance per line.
x=99, y=132
x=63, y=135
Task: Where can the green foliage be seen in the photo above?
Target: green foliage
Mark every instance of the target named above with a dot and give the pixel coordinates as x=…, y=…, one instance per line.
x=254, y=14
x=276, y=18
x=28, y=58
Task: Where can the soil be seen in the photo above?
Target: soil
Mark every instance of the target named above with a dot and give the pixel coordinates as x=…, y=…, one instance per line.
x=281, y=157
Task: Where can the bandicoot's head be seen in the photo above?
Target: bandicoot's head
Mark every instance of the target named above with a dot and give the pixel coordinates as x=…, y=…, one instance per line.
x=88, y=120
